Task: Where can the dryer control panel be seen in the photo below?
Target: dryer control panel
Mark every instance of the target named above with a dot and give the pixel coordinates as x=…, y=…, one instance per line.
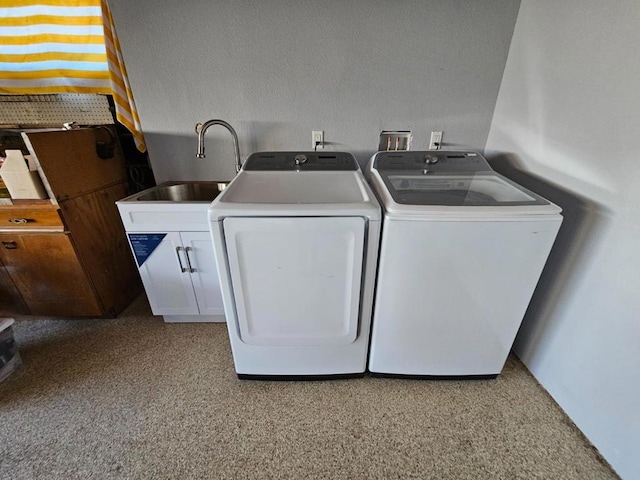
x=433, y=161
x=304, y=161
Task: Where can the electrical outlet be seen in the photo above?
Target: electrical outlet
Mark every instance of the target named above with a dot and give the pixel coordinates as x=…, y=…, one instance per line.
x=436, y=141
x=395, y=140
x=317, y=139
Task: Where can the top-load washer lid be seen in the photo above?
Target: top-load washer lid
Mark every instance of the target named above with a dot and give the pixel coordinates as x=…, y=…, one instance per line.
x=453, y=183
x=273, y=184
x=476, y=189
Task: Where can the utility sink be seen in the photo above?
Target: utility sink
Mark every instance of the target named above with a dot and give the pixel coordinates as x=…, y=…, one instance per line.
x=181, y=192
x=170, y=206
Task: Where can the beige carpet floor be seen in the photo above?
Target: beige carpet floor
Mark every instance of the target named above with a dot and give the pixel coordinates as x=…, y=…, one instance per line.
x=137, y=398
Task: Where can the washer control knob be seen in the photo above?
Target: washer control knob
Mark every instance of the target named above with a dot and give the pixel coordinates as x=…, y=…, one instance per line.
x=430, y=159
x=300, y=159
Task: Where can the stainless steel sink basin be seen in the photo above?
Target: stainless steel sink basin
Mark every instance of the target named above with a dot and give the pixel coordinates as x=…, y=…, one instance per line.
x=183, y=192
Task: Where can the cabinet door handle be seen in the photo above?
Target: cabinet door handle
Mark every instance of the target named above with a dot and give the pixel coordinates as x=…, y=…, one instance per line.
x=20, y=220
x=182, y=269
x=10, y=245
x=187, y=250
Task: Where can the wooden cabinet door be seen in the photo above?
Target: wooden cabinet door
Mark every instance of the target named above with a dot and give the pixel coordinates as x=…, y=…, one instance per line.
x=45, y=269
x=69, y=161
x=11, y=302
x=101, y=243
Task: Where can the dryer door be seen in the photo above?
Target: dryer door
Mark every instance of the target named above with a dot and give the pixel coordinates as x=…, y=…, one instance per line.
x=296, y=280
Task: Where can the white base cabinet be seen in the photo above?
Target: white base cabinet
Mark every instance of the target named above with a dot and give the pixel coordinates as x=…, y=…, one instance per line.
x=179, y=274
x=173, y=250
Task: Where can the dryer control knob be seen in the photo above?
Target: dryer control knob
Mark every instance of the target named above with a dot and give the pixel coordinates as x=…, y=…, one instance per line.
x=300, y=159
x=430, y=159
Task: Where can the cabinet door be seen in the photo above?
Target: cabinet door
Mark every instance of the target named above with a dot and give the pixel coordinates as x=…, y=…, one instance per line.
x=46, y=270
x=101, y=245
x=163, y=267
x=204, y=275
x=11, y=302
x=69, y=160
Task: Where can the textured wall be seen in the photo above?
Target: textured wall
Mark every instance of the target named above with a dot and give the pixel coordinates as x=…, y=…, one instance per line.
x=568, y=113
x=276, y=70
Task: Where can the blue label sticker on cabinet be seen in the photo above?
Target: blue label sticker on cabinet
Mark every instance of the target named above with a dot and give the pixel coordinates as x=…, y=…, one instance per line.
x=144, y=244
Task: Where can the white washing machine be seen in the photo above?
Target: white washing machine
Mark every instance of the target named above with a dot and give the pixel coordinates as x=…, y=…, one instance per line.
x=461, y=252
x=296, y=238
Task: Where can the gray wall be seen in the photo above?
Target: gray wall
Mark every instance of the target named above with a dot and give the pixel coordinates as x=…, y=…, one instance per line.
x=276, y=70
x=568, y=113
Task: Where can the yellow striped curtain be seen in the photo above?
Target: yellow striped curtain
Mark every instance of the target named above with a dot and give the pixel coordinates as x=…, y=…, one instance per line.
x=64, y=46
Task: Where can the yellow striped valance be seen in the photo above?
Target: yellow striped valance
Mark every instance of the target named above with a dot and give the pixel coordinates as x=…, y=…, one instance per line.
x=64, y=46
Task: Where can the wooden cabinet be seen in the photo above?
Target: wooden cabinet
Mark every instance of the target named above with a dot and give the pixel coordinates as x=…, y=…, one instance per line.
x=68, y=256
x=47, y=271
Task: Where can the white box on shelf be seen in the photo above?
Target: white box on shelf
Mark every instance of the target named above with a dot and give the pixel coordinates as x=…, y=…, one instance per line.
x=21, y=176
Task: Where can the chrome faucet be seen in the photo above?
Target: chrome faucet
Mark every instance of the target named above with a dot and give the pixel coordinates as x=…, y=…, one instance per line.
x=201, y=129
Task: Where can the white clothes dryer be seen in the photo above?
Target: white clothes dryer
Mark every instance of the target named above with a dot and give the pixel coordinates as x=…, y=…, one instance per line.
x=461, y=252
x=296, y=239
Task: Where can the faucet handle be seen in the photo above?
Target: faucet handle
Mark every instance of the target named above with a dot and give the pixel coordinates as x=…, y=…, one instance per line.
x=198, y=127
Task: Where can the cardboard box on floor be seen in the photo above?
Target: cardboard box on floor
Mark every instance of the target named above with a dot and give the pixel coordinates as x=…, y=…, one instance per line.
x=21, y=177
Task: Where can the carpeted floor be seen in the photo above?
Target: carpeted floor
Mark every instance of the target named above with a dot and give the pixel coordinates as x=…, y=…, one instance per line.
x=137, y=398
